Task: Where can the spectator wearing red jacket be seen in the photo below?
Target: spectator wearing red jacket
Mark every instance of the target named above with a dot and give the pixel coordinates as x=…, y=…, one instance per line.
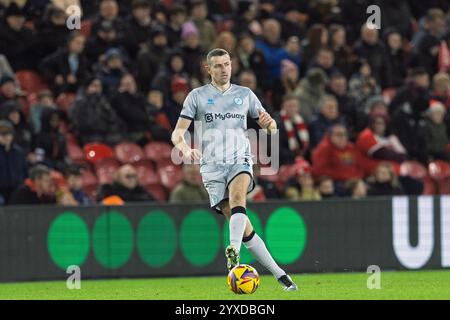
x=377, y=144
x=336, y=157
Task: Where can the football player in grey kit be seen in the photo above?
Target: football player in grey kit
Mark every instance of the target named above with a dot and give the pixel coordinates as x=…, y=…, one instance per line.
x=221, y=108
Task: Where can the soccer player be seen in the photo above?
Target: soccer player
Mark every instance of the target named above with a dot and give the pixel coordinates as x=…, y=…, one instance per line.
x=221, y=109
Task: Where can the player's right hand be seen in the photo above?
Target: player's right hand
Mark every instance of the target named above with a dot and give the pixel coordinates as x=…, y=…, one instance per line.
x=193, y=154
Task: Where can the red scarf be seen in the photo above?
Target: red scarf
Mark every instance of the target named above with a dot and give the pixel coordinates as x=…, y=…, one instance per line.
x=293, y=127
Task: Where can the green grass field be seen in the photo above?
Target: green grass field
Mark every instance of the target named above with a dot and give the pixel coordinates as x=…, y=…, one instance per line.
x=394, y=285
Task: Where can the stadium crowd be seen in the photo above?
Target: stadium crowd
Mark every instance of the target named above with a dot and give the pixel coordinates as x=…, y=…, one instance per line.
x=353, y=103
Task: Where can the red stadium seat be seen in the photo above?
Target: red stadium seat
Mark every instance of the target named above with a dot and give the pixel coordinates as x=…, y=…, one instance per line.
x=65, y=101
x=86, y=28
x=170, y=176
x=147, y=176
x=95, y=151
x=128, y=152
x=440, y=173
x=158, y=192
x=75, y=153
x=105, y=169
x=288, y=171
x=30, y=81
x=157, y=150
x=418, y=171
x=413, y=169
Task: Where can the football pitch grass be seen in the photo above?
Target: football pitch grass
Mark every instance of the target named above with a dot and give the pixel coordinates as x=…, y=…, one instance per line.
x=347, y=286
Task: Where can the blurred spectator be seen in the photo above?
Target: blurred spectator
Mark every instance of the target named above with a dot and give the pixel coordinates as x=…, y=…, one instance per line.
x=336, y=157
x=13, y=164
x=126, y=186
x=294, y=136
x=140, y=23
x=8, y=89
x=324, y=60
x=93, y=119
x=384, y=182
x=150, y=58
x=287, y=83
x=101, y=41
x=441, y=92
x=414, y=93
x=175, y=66
x=362, y=84
x=131, y=107
x=311, y=92
x=343, y=56
x=293, y=49
x=436, y=138
x=356, y=189
x=327, y=117
x=272, y=49
x=191, y=48
x=226, y=40
x=109, y=11
x=426, y=48
x=45, y=100
x=325, y=186
x=177, y=17
x=247, y=78
x=207, y=32
x=252, y=58
x=12, y=112
x=180, y=90
x=396, y=14
x=75, y=185
x=370, y=48
x=161, y=129
x=190, y=188
x=374, y=104
x=301, y=188
x=377, y=144
x=316, y=38
x=17, y=40
x=337, y=86
x=67, y=68
x=50, y=143
x=269, y=189
x=395, y=59
x=293, y=22
x=111, y=70
x=38, y=188
x=245, y=20
x=441, y=88
x=52, y=31
x=407, y=122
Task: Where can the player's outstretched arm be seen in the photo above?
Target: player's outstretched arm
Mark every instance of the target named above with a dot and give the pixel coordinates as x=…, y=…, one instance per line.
x=267, y=123
x=179, y=142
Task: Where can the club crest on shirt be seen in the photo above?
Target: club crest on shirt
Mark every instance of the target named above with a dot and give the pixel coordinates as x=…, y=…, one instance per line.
x=238, y=101
x=210, y=102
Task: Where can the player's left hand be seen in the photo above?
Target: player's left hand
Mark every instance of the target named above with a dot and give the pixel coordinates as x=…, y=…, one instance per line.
x=265, y=119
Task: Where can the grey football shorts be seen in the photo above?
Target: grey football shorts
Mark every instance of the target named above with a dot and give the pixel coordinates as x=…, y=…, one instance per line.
x=217, y=177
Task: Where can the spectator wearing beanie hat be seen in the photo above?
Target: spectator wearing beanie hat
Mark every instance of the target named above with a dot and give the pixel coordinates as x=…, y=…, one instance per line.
x=191, y=49
x=17, y=41
x=180, y=89
x=435, y=132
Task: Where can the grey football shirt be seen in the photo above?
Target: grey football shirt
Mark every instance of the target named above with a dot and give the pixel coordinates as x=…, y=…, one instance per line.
x=220, y=121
